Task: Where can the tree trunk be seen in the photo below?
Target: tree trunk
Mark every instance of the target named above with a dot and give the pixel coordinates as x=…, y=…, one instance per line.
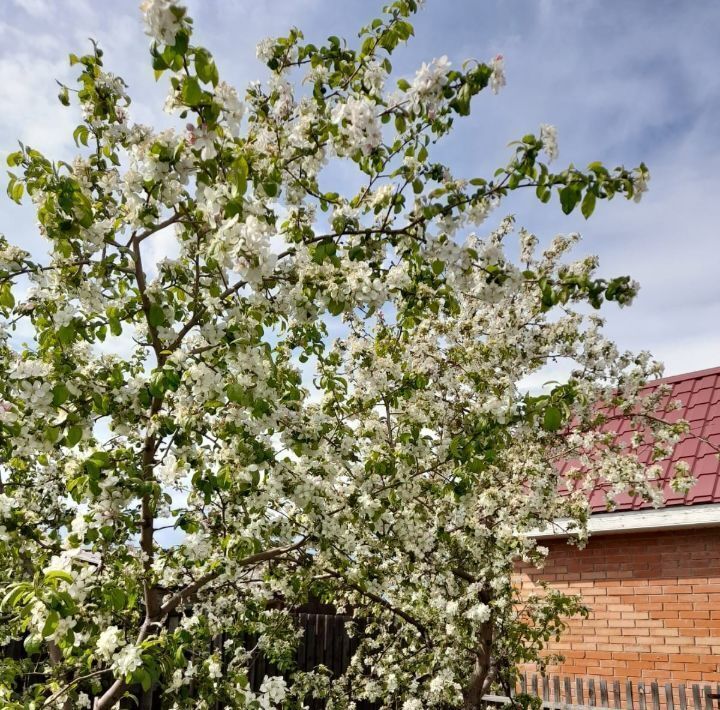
x=475, y=690
x=484, y=671
x=55, y=659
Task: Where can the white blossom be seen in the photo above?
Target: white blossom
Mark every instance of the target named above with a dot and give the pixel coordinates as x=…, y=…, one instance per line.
x=358, y=125
x=127, y=659
x=161, y=22
x=109, y=639
x=548, y=136
x=497, y=78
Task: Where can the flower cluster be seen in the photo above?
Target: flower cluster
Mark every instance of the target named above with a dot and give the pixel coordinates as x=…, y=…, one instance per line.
x=359, y=128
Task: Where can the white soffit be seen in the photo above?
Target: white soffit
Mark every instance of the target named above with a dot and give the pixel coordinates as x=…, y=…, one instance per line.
x=673, y=518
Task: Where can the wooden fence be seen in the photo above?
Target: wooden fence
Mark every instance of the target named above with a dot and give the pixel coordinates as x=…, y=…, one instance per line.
x=558, y=693
x=326, y=642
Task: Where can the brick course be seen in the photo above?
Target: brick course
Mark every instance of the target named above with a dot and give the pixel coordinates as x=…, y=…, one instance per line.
x=655, y=605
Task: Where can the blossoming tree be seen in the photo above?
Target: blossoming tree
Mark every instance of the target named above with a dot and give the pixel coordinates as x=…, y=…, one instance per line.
x=396, y=470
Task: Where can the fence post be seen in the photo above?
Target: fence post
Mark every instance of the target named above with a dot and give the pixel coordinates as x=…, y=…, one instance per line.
x=629, y=695
x=696, y=696
x=682, y=696
x=616, y=693
x=655, y=695
x=708, y=698
x=604, y=694
x=556, y=691
x=669, y=696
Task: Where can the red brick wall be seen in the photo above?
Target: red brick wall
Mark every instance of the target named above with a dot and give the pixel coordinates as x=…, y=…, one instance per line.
x=655, y=605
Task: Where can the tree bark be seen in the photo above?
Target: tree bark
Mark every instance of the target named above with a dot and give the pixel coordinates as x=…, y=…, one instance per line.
x=482, y=674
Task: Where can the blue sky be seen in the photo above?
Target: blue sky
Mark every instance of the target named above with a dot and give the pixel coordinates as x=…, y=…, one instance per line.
x=622, y=81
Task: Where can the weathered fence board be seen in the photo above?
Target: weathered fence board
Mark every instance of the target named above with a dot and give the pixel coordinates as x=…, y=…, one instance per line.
x=640, y=695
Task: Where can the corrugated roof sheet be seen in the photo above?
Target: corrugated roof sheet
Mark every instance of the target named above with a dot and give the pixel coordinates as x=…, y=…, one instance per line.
x=699, y=393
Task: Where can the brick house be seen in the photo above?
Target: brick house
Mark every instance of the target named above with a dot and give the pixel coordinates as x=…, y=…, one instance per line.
x=651, y=576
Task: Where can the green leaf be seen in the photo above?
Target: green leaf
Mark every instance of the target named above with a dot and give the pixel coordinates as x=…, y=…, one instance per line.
x=271, y=189
x=60, y=394
x=236, y=393
x=66, y=334
x=16, y=192
x=462, y=101
x=588, y=204
x=59, y=574
x=552, y=420
x=115, y=326
x=205, y=67
x=336, y=307
x=15, y=158
x=544, y=193
x=157, y=384
x=80, y=135
x=51, y=623
x=240, y=174
x=99, y=459
x=117, y=598
x=569, y=197
x=12, y=597
x=192, y=94
x=7, y=300
x=144, y=678
x=182, y=42
x=32, y=645
x=156, y=315
x=73, y=436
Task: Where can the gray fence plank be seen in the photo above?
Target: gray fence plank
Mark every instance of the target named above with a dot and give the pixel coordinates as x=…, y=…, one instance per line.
x=629, y=695
x=696, y=696
x=655, y=690
x=708, y=698
x=682, y=696
x=616, y=693
x=557, y=693
x=604, y=694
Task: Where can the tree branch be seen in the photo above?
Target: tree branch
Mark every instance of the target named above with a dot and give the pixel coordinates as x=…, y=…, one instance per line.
x=171, y=604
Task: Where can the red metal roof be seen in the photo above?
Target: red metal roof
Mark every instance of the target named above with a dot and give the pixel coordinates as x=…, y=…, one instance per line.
x=699, y=393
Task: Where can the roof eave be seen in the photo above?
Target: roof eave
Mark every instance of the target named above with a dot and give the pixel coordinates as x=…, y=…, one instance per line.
x=635, y=521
